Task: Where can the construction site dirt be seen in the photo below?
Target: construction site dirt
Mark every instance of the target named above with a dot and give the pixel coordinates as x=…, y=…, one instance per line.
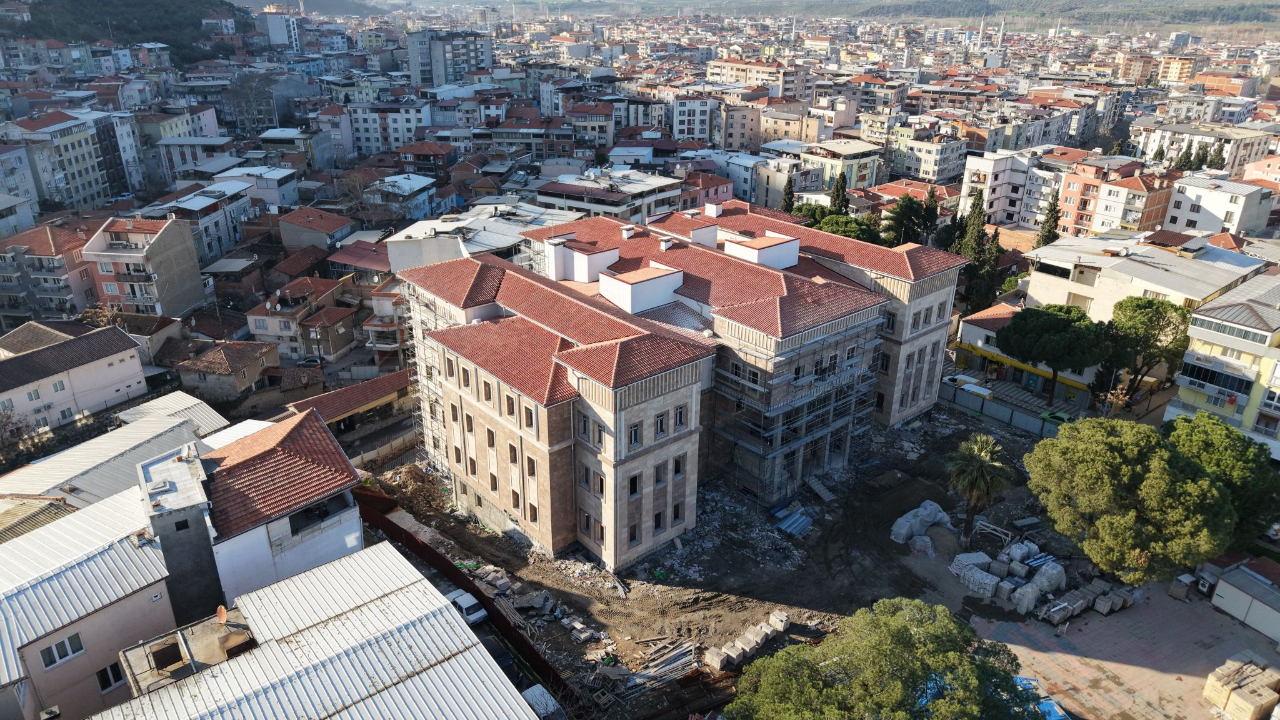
x=736, y=567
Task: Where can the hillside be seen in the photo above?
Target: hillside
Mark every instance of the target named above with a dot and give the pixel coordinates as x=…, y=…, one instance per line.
x=325, y=7
x=173, y=22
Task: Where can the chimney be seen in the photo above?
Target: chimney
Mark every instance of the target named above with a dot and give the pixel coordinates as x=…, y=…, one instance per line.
x=713, y=210
x=628, y=231
x=128, y=223
x=664, y=245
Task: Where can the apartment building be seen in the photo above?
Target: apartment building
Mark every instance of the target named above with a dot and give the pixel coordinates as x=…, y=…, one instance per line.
x=146, y=266
x=271, y=185
x=1082, y=190
x=1018, y=185
x=280, y=320
x=916, y=286
x=1232, y=366
x=17, y=174
x=540, y=138
x=1226, y=82
x=313, y=227
x=1095, y=274
x=1137, y=203
x=1135, y=66
x=281, y=29
x=1240, y=146
x=213, y=214
x=555, y=415
x=1179, y=69
x=860, y=162
x=335, y=121
x=773, y=174
x=384, y=126
x=42, y=272
x=737, y=128
x=628, y=195
x=62, y=149
x=593, y=125
x=782, y=78
x=54, y=375
x=1209, y=203
x=439, y=58
x=925, y=156
x=693, y=117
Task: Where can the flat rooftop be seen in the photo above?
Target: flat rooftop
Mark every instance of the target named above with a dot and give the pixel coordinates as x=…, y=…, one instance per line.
x=165, y=660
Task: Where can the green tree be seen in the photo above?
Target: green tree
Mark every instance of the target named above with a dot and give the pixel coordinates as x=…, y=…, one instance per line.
x=1117, y=148
x=1201, y=158
x=1137, y=507
x=839, y=196
x=1217, y=160
x=1185, y=160
x=1144, y=333
x=984, y=273
x=946, y=235
x=929, y=217
x=866, y=229
x=975, y=222
x=903, y=223
x=1049, y=226
x=977, y=475
x=788, y=196
x=813, y=211
x=1158, y=155
x=1011, y=283
x=901, y=659
x=1060, y=337
x=1242, y=465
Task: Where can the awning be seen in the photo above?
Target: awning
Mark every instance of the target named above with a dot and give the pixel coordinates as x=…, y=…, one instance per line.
x=1005, y=360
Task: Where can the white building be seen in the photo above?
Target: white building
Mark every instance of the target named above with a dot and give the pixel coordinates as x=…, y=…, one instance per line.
x=1017, y=185
x=404, y=196
x=629, y=195
x=274, y=186
x=385, y=126
x=694, y=117
x=1210, y=204
x=68, y=377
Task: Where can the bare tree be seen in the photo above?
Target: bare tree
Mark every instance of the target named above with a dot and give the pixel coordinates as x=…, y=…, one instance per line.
x=251, y=103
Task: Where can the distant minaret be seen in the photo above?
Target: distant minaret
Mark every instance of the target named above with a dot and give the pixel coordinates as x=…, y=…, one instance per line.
x=794, y=39
x=1058, y=32
x=982, y=28
x=1000, y=35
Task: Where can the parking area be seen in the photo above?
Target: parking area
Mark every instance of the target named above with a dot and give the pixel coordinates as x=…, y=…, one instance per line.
x=1147, y=662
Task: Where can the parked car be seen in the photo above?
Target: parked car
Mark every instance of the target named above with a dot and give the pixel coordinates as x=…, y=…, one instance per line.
x=1057, y=418
x=501, y=655
x=310, y=362
x=471, y=609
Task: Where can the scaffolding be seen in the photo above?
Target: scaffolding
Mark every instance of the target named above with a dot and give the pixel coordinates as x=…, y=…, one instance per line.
x=777, y=420
x=428, y=416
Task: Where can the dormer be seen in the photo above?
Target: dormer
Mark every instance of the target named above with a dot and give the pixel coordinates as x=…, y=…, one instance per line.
x=643, y=289
x=773, y=249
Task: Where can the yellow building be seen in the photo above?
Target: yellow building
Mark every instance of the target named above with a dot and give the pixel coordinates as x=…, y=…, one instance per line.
x=1230, y=368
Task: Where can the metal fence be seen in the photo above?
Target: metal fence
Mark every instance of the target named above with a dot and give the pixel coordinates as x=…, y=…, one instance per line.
x=996, y=410
x=392, y=448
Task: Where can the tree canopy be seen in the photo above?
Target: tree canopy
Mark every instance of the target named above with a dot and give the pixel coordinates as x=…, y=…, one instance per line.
x=813, y=211
x=977, y=474
x=1136, y=505
x=901, y=659
x=839, y=196
x=1145, y=332
x=1242, y=465
x=1185, y=160
x=1049, y=226
x=866, y=229
x=788, y=196
x=1201, y=158
x=903, y=223
x=1060, y=337
x=1217, y=160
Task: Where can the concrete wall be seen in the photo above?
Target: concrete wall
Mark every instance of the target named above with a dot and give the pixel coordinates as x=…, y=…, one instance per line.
x=194, y=591
x=172, y=257
x=73, y=685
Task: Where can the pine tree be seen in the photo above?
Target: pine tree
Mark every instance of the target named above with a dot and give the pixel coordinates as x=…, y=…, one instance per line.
x=788, y=197
x=1158, y=155
x=1049, y=227
x=902, y=224
x=929, y=218
x=1217, y=160
x=983, y=273
x=975, y=222
x=1183, y=163
x=1200, y=159
x=839, y=198
x=1117, y=148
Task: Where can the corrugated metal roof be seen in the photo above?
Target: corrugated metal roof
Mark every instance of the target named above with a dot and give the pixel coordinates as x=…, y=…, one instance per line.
x=102, y=467
x=179, y=405
x=244, y=428
x=21, y=515
x=69, y=569
x=1254, y=304
x=365, y=637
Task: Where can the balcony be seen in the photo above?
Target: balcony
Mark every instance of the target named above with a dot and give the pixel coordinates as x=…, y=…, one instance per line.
x=1220, y=364
x=47, y=271
x=1232, y=419
x=60, y=290
x=138, y=298
x=19, y=309
x=13, y=288
x=133, y=277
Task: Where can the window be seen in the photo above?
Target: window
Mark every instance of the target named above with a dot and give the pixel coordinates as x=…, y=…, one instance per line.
x=1173, y=219
x=493, y=482
x=531, y=467
x=110, y=677
x=676, y=517
x=659, y=425
x=883, y=362
x=1155, y=295
x=633, y=435
x=471, y=466
x=491, y=437
x=633, y=486
x=59, y=386
x=6, y=404
x=1215, y=401
x=453, y=409
x=515, y=454
x=511, y=405
x=890, y=321
x=657, y=522
x=915, y=321
x=466, y=378
x=528, y=417
x=285, y=325
x=1194, y=208
x=65, y=414
x=533, y=513
x=1192, y=223
x=470, y=425
x=600, y=535
x=677, y=466
x=515, y=500
x=680, y=412
x=633, y=534
x=258, y=323
x=61, y=651
x=448, y=369
x=599, y=435
x=584, y=426
x=660, y=474
x=479, y=500
x=928, y=316
x=33, y=395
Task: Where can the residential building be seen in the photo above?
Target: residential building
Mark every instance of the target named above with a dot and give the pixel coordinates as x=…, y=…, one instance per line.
x=628, y=195
x=73, y=594
x=439, y=58
x=402, y=197
x=978, y=355
x=915, y=286
x=737, y=128
x=17, y=175
x=1231, y=367
x=387, y=329
x=540, y=138
x=782, y=79
x=384, y=126
x=281, y=29
x=55, y=375
x=1228, y=83
x=335, y=121
x=1082, y=188
x=1209, y=203
x=229, y=370
x=146, y=266
x=773, y=174
x=1096, y=273
x=43, y=274
x=921, y=154
x=441, y=668
x=1018, y=185
x=1137, y=203
x=213, y=214
x=1240, y=146
x=70, y=173
x=273, y=186
x=860, y=162
x=693, y=117
x=313, y=227
x=428, y=158
x=280, y=319
x=317, y=146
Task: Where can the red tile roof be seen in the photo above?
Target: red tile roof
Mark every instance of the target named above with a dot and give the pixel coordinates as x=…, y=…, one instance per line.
x=300, y=261
x=339, y=403
x=56, y=117
x=465, y=283
x=993, y=318
x=364, y=254
x=227, y=358
x=274, y=472
x=53, y=240
x=316, y=219
x=328, y=317
x=137, y=225
x=618, y=363
x=517, y=352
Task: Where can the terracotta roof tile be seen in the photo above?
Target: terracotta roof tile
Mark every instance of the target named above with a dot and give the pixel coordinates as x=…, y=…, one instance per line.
x=52, y=240
x=316, y=219
x=343, y=401
x=518, y=352
x=227, y=358
x=328, y=317
x=993, y=318
x=618, y=363
x=274, y=472
x=138, y=225
x=299, y=262
x=465, y=283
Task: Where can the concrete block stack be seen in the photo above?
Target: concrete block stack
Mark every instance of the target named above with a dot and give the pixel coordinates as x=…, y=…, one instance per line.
x=980, y=560
x=1244, y=688
x=982, y=583
x=748, y=643
x=1025, y=598
x=780, y=620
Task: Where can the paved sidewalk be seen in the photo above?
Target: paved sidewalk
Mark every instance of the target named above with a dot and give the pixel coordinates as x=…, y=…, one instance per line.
x=1147, y=662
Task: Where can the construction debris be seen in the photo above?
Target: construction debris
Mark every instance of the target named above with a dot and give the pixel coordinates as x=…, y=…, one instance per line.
x=664, y=662
x=917, y=521
x=1244, y=687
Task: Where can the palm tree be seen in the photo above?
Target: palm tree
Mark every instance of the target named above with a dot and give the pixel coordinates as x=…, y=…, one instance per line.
x=978, y=474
